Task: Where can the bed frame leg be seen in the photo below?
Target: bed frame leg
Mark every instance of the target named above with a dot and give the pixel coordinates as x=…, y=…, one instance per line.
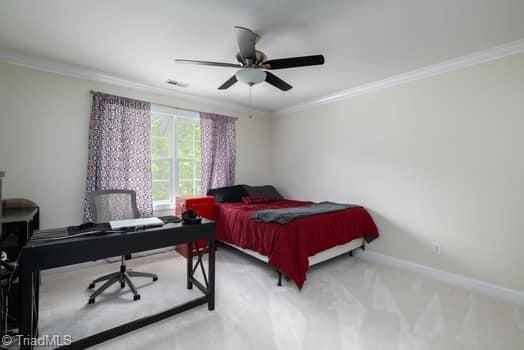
x=279, y=283
x=350, y=253
x=363, y=246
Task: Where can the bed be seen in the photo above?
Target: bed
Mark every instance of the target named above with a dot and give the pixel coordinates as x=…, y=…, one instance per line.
x=291, y=248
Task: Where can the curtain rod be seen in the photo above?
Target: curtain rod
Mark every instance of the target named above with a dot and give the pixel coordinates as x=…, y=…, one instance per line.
x=158, y=104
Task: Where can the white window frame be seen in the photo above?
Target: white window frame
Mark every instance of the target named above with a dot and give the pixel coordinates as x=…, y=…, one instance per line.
x=175, y=114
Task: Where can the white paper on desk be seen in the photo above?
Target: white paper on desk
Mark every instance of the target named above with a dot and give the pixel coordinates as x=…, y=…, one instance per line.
x=142, y=222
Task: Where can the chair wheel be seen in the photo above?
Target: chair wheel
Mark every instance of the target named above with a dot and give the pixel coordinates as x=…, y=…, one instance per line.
x=155, y=278
x=91, y=301
x=122, y=284
x=91, y=286
x=136, y=297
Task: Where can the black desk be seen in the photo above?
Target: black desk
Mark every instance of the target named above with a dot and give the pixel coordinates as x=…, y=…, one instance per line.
x=40, y=255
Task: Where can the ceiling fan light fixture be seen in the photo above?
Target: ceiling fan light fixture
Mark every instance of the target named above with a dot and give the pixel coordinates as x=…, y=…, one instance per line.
x=250, y=76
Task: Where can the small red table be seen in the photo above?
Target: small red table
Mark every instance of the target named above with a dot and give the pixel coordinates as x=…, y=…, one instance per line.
x=205, y=207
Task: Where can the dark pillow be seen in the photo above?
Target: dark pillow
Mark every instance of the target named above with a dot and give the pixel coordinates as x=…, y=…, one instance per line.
x=230, y=194
x=267, y=191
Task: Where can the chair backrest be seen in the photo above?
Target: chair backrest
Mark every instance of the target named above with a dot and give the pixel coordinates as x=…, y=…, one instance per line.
x=110, y=205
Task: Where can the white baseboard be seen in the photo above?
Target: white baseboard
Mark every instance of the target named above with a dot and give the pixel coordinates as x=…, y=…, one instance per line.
x=469, y=283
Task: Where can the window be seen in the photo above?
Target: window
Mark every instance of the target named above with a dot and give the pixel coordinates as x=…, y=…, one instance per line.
x=188, y=161
x=175, y=152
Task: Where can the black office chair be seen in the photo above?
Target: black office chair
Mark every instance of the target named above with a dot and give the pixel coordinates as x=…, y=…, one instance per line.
x=110, y=205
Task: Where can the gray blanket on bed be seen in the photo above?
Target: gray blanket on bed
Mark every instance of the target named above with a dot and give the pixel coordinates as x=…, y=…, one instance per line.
x=286, y=215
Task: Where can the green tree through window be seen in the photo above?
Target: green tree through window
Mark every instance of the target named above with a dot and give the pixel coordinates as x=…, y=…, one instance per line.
x=188, y=157
x=176, y=162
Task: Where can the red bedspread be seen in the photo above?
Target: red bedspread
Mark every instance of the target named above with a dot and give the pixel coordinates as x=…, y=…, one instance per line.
x=288, y=246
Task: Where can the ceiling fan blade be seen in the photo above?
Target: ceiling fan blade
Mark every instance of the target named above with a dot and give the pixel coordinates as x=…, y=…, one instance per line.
x=247, y=39
x=293, y=62
x=207, y=63
x=277, y=82
x=228, y=83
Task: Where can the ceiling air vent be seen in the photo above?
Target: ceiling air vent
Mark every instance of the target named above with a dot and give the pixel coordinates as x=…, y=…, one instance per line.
x=177, y=83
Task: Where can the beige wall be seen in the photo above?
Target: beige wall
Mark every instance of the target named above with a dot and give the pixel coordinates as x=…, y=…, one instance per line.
x=43, y=139
x=436, y=160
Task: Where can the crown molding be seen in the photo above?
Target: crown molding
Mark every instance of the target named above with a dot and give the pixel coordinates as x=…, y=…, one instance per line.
x=421, y=73
x=403, y=78
x=79, y=72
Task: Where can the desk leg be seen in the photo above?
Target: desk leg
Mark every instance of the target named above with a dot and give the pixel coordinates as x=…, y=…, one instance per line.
x=189, y=265
x=26, y=321
x=27, y=230
x=36, y=298
x=211, y=272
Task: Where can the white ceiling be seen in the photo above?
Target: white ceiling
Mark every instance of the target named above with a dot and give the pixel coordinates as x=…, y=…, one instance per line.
x=363, y=40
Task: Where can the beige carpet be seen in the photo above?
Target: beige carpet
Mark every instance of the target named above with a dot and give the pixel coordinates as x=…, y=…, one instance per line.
x=345, y=304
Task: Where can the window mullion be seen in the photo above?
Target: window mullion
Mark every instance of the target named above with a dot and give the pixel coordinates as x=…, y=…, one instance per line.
x=175, y=165
x=193, y=162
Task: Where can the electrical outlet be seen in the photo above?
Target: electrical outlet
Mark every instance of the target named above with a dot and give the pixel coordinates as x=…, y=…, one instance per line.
x=435, y=247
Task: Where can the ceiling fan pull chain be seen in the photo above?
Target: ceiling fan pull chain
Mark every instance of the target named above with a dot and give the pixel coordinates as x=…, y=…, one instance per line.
x=250, y=104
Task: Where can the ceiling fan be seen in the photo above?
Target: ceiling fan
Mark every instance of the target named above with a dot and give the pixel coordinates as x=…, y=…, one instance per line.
x=253, y=62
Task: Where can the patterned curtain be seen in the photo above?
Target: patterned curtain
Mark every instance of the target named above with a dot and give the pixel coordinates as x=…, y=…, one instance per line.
x=218, y=151
x=119, y=155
